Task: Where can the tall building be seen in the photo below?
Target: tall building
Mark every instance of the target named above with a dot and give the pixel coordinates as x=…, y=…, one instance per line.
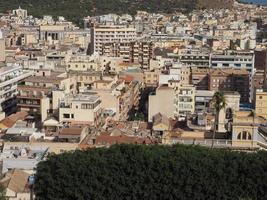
x=223, y=80
x=139, y=52
x=110, y=34
x=178, y=101
x=230, y=80
x=10, y=77
x=236, y=60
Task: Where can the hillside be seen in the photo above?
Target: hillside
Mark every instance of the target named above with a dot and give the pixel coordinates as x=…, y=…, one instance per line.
x=74, y=10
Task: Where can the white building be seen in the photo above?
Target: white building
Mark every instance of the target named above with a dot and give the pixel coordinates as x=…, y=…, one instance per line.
x=109, y=34
x=10, y=76
x=237, y=60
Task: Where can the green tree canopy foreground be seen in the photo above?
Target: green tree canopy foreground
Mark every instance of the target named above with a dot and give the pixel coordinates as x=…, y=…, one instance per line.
x=153, y=172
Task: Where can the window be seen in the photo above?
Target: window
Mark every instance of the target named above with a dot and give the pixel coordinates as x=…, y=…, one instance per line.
x=67, y=116
x=260, y=97
x=72, y=116
x=244, y=135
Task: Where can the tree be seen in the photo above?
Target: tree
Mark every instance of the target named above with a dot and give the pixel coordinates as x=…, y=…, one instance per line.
x=152, y=172
x=3, y=193
x=218, y=103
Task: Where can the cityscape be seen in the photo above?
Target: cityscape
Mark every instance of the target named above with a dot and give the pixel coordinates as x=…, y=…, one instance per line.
x=144, y=105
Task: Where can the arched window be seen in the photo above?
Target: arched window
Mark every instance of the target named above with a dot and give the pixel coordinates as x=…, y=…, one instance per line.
x=244, y=135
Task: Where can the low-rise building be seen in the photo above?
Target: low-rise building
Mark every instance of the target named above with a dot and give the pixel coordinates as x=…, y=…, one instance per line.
x=80, y=109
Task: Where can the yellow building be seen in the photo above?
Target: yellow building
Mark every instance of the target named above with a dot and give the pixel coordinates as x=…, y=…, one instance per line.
x=245, y=130
x=261, y=103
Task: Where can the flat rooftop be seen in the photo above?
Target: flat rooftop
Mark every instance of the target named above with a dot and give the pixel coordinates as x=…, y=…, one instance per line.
x=7, y=69
x=85, y=98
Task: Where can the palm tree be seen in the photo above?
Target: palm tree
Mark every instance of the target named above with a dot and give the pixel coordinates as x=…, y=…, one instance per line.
x=218, y=103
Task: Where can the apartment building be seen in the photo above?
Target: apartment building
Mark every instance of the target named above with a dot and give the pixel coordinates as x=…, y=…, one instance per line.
x=138, y=52
x=192, y=58
x=184, y=100
x=162, y=101
x=110, y=34
x=203, y=100
x=230, y=80
x=223, y=80
x=227, y=59
x=151, y=78
x=83, y=63
x=199, y=78
x=172, y=100
x=258, y=79
x=35, y=94
x=118, y=97
x=10, y=78
x=236, y=60
x=80, y=109
x=87, y=80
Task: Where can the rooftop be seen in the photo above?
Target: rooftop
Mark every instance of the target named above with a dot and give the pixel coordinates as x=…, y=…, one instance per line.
x=85, y=98
x=7, y=69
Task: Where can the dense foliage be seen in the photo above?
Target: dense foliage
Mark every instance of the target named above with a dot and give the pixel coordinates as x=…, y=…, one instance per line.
x=74, y=10
x=153, y=172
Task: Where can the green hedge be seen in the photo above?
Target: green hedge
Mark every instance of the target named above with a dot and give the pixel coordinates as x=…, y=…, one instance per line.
x=153, y=172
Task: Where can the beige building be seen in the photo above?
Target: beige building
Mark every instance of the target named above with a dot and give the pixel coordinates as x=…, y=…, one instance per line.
x=184, y=100
x=172, y=100
x=138, y=52
x=2, y=48
x=151, y=78
x=260, y=103
x=246, y=132
x=35, y=94
x=54, y=33
x=109, y=34
x=162, y=101
x=83, y=63
x=80, y=110
x=118, y=97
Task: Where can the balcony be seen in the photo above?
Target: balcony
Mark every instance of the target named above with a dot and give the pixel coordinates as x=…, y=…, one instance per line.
x=28, y=105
